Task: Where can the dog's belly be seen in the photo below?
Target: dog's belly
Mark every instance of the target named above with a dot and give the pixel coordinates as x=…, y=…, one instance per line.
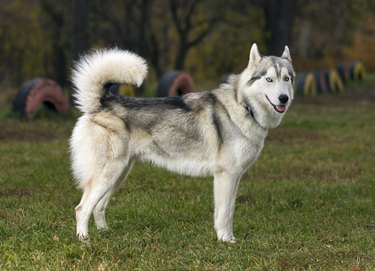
x=178, y=152
x=182, y=166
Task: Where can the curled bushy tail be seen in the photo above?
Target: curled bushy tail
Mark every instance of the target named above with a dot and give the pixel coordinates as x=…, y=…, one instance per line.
x=93, y=71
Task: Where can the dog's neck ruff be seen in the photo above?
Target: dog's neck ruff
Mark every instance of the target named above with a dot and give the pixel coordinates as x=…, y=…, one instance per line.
x=251, y=112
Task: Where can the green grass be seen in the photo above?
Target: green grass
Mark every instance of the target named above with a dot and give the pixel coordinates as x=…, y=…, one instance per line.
x=307, y=204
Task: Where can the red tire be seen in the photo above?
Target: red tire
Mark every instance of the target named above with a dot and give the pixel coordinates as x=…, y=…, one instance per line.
x=175, y=83
x=36, y=92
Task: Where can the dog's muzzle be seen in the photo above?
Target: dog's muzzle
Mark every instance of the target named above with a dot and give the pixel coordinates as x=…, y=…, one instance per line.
x=281, y=108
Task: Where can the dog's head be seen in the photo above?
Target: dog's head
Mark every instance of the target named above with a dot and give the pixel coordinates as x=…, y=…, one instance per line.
x=266, y=86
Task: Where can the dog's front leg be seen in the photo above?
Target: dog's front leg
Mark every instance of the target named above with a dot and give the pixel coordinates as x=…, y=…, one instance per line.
x=225, y=190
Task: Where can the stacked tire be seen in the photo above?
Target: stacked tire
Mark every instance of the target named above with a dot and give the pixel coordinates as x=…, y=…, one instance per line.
x=329, y=81
x=306, y=84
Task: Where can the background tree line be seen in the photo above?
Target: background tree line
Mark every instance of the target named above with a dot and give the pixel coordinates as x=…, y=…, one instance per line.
x=206, y=38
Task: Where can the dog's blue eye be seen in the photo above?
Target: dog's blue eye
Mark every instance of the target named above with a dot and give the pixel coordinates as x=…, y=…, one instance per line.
x=286, y=78
x=269, y=80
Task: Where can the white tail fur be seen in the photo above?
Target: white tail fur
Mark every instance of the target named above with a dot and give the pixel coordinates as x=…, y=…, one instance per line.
x=94, y=70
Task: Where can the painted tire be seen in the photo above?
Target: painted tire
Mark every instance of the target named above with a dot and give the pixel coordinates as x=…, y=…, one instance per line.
x=300, y=81
x=124, y=90
x=36, y=92
x=175, y=83
x=127, y=90
x=321, y=82
x=344, y=73
x=306, y=85
x=357, y=71
x=335, y=84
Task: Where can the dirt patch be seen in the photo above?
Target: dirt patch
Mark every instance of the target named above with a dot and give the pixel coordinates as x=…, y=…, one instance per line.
x=34, y=131
x=15, y=192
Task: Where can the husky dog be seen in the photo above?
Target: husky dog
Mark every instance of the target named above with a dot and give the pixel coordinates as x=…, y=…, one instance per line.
x=219, y=133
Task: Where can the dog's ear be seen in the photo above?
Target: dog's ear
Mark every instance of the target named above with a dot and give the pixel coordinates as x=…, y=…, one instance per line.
x=286, y=54
x=254, y=56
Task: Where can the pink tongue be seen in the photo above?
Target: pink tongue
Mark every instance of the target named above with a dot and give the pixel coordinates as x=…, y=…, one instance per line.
x=280, y=108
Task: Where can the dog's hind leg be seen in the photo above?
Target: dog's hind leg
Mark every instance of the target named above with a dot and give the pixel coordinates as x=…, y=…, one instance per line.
x=94, y=191
x=99, y=210
x=225, y=190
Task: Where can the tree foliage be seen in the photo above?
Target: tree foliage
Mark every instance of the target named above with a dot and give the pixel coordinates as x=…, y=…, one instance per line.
x=44, y=37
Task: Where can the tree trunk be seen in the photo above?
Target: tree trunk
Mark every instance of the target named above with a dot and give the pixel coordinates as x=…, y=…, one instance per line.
x=58, y=43
x=184, y=23
x=181, y=55
x=80, y=27
x=279, y=24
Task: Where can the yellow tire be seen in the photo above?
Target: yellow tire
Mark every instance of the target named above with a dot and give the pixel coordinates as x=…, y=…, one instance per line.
x=126, y=90
x=335, y=83
x=357, y=71
x=309, y=87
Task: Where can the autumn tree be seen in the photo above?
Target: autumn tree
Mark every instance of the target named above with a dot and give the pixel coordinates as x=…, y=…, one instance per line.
x=80, y=38
x=279, y=17
x=191, y=29
x=324, y=27
x=55, y=12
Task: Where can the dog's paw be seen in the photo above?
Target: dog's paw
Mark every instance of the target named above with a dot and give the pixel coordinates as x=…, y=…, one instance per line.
x=83, y=238
x=103, y=229
x=227, y=238
x=230, y=240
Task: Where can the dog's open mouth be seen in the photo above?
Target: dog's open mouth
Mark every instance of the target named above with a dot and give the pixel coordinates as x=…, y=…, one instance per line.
x=278, y=108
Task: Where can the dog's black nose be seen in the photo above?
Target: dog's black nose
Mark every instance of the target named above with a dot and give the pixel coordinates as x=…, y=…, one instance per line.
x=283, y=98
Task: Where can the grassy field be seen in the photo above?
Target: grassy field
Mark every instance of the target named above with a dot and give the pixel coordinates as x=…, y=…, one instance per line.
x=307, y=204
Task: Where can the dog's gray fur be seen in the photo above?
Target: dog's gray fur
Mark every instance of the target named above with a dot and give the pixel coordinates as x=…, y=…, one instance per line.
x=219, y=132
